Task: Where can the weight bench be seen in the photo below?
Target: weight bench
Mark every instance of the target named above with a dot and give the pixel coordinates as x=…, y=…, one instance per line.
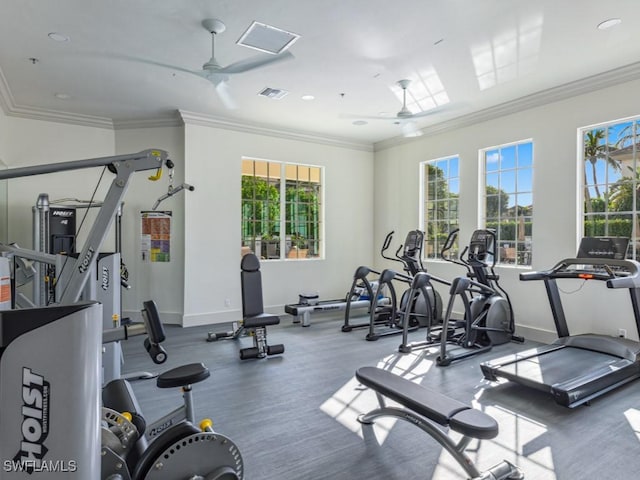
x=254, y=319
x=429, y=410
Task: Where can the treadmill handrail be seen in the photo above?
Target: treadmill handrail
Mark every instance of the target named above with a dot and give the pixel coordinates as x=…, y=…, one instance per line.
x=629, y=279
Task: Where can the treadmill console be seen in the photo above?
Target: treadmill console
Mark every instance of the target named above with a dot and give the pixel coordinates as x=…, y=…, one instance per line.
x=603, y=247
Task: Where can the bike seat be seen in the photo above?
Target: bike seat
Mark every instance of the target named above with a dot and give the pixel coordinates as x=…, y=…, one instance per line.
x=183, y=375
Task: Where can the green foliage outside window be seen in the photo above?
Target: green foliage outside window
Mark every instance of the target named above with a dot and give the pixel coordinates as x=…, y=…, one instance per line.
x=611, y=181
x=262, y=219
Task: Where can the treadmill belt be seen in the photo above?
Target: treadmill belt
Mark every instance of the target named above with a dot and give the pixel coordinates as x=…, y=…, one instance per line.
x=558, y=366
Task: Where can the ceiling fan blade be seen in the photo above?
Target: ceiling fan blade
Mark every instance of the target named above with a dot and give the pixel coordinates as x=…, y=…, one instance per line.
x=352, y=116
x=222, y=89
x=431, y=111
x=255, y=62
x=150, y=62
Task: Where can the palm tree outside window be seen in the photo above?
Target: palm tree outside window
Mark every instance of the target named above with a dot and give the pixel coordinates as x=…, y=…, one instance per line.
x=611, y=181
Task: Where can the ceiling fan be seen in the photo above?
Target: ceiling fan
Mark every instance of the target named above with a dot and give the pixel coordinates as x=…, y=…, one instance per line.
x=217, y=74
x=405, y=116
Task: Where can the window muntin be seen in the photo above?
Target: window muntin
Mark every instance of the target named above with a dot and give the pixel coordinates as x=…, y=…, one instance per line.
x=508, y=200
x=276, y=194
x=611, y=181
x=440, y=204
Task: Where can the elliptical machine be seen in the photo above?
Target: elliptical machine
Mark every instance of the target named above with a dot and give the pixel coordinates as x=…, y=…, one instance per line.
x=415, y=309
x=488, y=314
x=363, y=286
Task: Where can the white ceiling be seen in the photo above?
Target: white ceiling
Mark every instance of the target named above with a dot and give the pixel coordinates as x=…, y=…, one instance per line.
x=349, y=55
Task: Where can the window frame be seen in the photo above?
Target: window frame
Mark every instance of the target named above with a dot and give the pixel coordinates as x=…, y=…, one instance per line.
x=285, y=240
x=522, y=258
x=633, y=250
x=423, y=221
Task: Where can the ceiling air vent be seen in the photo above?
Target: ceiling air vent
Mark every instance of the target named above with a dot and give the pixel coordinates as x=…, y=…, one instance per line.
x=267, y=38
x=273, y=93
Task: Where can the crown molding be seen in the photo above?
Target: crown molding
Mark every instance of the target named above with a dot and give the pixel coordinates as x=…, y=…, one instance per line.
x=193, y=118
x=10, y=108
x=582, y=86
x=60, y=117
x=173, y=120
x=6, y=97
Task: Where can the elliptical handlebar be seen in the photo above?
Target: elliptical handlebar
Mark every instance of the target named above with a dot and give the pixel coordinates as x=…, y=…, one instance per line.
x=385, y=247
x=387, y=241
x=448, y=245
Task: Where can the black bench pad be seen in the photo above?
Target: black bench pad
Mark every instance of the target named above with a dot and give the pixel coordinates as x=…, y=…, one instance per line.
x=261, y=320
x=430, y=404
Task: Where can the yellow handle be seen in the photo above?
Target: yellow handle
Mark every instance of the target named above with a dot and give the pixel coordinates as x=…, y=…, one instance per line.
x=157, y=176
x=206, y=425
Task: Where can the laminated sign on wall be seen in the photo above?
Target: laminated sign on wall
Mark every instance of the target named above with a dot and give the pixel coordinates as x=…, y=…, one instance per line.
x=155, y=241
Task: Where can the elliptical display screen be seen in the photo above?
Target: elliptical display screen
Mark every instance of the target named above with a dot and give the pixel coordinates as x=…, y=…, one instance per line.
x=481, y=246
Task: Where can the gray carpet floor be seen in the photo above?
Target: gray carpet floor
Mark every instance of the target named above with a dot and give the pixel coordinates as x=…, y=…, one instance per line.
x=293, y=416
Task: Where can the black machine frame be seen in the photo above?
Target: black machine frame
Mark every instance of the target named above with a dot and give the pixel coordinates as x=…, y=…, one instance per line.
x=414, y=309
x=576, y=369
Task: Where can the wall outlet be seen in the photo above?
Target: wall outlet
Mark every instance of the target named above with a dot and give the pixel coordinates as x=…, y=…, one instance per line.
x=227, y=303
x=622, y=333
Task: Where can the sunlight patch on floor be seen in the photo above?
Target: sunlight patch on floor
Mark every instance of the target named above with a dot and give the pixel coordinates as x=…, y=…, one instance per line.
x=354, y=399
x=520, y=441
x=633, y=417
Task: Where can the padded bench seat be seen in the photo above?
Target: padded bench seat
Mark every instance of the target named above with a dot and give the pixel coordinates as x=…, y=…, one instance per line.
x=430, y=404
x=261, y=320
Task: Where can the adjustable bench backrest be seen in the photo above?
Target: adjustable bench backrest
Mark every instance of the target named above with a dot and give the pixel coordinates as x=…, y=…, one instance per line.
x=251, y=281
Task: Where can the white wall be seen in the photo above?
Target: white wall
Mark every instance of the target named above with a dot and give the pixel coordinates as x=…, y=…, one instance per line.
x=553, y=128
x=204, y=270
x=162, y=282
x=212, y=222
x=36, y=142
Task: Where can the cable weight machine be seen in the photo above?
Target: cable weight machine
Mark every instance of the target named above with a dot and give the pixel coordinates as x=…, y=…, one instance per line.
x=50, y=356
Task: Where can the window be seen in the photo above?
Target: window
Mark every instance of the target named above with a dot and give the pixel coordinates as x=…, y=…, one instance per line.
x=439, y=192
x=508, y=200
x=611, y=182
x=281, y=198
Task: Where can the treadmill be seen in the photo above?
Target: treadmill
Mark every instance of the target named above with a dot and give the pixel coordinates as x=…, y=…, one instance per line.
x=577, y=368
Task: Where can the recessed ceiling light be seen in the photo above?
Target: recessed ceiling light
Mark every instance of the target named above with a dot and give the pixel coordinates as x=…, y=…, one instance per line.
x=62, y=96
x=359, y=122
x=58, y=37
x=610, y=23
x=308, y=97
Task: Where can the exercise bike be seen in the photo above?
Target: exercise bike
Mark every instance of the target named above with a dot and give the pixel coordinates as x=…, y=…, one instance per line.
x=488, y=314
x=171, y=447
